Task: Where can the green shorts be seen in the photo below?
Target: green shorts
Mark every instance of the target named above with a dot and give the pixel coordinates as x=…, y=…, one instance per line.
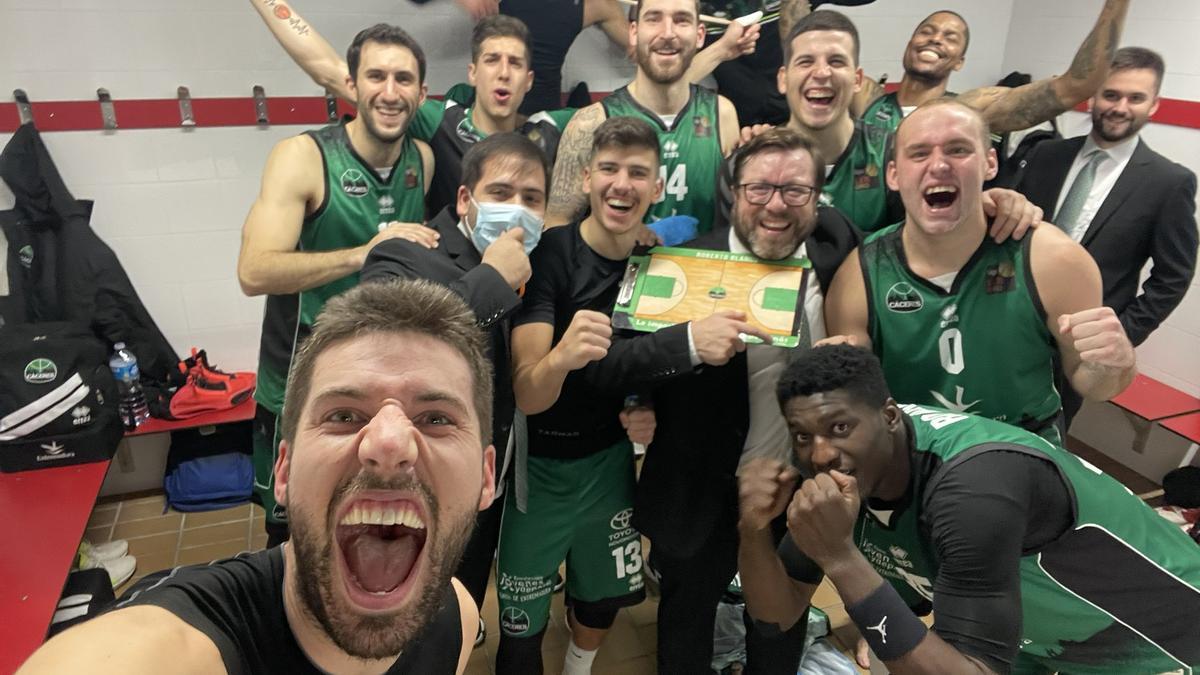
x=579, y=511
x=266, y=434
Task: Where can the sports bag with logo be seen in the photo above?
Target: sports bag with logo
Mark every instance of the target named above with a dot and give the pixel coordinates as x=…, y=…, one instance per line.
x=58, y=399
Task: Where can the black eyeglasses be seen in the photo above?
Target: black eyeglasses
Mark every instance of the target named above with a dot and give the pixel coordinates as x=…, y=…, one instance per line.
x=760, y=194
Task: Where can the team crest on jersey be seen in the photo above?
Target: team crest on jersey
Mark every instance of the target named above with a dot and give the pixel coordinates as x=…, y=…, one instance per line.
x=25, y=255
x=410, y=178
x=354, y=183
x=1000, y=278
x=902, y=298
x=867, y=177
x=387, y=205
x=701, y=126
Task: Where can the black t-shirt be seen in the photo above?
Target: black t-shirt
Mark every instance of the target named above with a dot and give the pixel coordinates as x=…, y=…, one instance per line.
x=569, y=276
x=238, y=604
x=978, y=581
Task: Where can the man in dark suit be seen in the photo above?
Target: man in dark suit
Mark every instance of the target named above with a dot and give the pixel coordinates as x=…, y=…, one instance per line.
x=482, y=256
x=721, y=410
x=1121, y=200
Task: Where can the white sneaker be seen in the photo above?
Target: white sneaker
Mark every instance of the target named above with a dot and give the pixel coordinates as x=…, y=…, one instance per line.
x=110, y=550
x=119, y=570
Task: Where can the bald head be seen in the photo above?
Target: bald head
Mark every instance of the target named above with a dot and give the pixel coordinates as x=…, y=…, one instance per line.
x=946, y=104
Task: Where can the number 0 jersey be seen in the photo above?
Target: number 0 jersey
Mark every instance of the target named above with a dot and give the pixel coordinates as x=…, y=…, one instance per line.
x=982, y=347
x=690, y=152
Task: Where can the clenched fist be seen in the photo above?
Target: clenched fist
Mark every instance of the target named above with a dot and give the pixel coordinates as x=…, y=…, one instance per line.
x=587, y=339
x=1098, y=337
x=764, y=488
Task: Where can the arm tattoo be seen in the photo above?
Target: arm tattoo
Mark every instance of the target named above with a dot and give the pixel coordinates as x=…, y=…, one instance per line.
x=1022, y=107
x=567, y=200
x=284, y=13
x=791, y=12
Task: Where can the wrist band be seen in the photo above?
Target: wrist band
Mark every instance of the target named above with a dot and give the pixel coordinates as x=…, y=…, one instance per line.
x=886, y=623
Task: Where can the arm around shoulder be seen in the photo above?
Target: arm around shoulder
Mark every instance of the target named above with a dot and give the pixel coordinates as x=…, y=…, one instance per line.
x=140, y=639
x=567, y=200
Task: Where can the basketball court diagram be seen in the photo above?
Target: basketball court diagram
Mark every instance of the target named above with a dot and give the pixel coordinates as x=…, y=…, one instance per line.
x=672, y=285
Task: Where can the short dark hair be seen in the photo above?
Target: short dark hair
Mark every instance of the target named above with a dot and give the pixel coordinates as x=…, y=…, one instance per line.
x=637, y=11
x=1130, y=58
x=824, y=369
x=822, y=19
x=397, y=306
x=387, y=34
x=780, y=138
x=498, y=26
x=625, y=132
x=961, y=19
x=510, y=145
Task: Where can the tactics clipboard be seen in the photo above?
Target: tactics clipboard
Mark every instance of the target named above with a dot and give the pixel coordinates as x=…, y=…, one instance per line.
x=671, y=285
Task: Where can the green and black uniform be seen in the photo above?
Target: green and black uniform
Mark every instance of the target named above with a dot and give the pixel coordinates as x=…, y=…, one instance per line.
x=580, y=473
x=885, y=112
x=447, y=127
x=690, y=151
x=856, y=185
x=982, y=347
x=358, y=202
x=1031, y=559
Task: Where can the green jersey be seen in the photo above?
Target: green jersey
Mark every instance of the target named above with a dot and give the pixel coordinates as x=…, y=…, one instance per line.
x=885, y=112
x=856, y=184
x=358, y=202
x=1091, y=601
x=981, y=347
x=691, y=154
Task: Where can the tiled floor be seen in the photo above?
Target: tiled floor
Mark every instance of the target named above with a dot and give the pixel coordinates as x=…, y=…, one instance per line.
x=162, y=540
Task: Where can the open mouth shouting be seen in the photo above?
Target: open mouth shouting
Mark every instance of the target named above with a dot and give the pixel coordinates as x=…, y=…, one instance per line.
x=940, y=197
x=618, y=208
x=502, y=96
x=379, y=548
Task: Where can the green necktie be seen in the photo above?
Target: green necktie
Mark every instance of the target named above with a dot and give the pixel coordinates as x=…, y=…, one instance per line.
x=1077, y=196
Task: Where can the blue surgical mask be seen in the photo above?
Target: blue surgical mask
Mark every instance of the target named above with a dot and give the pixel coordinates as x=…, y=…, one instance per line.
x=494, y=219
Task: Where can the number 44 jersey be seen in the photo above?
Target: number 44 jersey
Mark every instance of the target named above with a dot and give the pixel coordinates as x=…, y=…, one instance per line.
x=981, y=347
x=690, y=152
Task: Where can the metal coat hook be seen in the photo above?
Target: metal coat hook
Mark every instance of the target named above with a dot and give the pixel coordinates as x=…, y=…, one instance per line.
x=186, y=118
x=260, y=105
x=24, y=109
x=331, y=108
x=107, y=112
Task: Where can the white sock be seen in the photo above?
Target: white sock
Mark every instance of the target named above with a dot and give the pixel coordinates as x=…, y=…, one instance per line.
x=578, y=660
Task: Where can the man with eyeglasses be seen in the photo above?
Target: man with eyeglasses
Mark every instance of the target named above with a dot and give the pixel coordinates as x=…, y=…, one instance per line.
x=712, y=419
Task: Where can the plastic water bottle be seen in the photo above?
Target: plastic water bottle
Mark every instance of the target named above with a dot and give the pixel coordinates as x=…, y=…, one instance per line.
x=131, y=399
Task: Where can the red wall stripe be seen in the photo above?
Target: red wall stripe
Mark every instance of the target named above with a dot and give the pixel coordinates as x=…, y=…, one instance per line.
x=227, y=112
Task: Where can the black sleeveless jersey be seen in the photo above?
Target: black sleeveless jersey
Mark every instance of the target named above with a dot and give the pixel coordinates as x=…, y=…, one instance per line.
x=455, y=135
x=238, y=604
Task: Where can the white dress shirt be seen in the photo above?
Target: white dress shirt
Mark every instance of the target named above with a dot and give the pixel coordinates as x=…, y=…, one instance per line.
x=768, y=434
x=1107, y=174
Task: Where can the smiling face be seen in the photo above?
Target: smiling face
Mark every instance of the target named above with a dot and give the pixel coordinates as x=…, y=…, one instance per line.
x=773, y=231
x=382, y=483
x=622, y=183
x=821, y=77
x=387, y=89
x=665, y=38
x=940, y=166
x=501, y=76
x=1124, y=104
x=835, y=431
x=936, y=48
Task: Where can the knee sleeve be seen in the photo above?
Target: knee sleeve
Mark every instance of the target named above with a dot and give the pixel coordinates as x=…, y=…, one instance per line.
x=519, y=655
x=592, y=615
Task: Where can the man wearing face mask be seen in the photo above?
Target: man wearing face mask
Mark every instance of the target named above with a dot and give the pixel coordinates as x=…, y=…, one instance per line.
x=483, y=256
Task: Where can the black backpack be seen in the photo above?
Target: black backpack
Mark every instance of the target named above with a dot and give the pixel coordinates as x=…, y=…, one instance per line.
x=58, y=399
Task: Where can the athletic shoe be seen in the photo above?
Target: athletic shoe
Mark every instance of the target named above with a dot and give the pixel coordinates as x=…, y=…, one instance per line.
x=481, y=635
x=110, y=550
x=209, y=389
x=119, y=570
